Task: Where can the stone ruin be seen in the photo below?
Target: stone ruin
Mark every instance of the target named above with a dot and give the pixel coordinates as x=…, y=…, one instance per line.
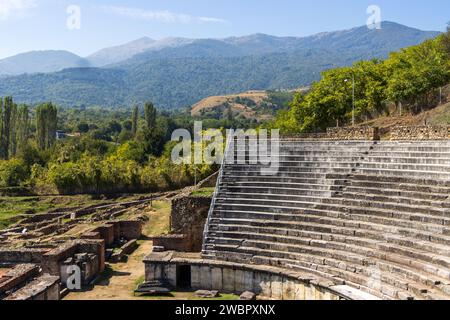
x=37, y=258
x=357, y=218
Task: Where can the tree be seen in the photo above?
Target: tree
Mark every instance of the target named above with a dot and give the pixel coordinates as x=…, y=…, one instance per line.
x=134, y=120
x=414, y=72
x=13, y=131
x=150, y=116
x=83, y=127
x=23, y=127
x=46, y=124
x=5, y=135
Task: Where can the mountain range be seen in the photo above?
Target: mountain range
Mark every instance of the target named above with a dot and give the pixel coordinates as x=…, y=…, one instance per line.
x=177, y=72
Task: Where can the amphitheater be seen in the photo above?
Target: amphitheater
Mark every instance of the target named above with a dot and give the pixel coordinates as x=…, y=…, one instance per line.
x=346, y=216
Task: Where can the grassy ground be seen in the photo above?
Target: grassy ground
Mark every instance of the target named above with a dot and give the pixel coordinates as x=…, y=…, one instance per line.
x=203, y=192
x=11, y=207
x=159, y=219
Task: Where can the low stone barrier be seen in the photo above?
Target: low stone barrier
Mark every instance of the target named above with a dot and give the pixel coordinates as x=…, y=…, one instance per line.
x=227, y=277
x=342, y=133
x=16, y=276
x=353, y=133
x=175, y=242
x=420, y=133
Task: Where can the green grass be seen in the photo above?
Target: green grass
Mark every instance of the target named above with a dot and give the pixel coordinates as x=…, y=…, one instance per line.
x=11, y=207
x=222, y=296
x=160, y=219
x=203, y=192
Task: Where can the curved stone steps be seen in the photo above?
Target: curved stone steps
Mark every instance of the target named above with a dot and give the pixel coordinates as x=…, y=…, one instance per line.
x=408, y=202
x=376, y=250
x=339, y=208
x=394, y=210
x=338, y=272
x=317, y=231
x=326, y=221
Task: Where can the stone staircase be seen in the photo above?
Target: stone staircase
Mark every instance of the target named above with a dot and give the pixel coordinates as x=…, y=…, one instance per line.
x=371, y=215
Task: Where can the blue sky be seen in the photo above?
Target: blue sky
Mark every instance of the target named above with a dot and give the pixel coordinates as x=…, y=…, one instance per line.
x=42, y=24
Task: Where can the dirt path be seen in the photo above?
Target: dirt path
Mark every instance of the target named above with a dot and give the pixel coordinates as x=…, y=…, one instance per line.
x=122, y=279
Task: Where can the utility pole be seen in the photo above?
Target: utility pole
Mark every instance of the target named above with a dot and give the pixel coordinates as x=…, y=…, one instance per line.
x=353, y=101
x=353, y=98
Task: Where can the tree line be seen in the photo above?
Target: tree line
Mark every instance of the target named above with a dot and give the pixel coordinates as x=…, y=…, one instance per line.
x=15, y=127
x=105, y=151
x=408, y=82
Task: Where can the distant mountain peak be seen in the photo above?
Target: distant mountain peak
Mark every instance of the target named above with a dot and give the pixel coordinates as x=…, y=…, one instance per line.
x=121, y=52
x=41, y=61
x=176, y=72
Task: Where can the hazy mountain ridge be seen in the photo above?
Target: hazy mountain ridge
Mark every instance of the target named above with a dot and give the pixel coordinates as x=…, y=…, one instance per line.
x=178, y=72
x=41, y=61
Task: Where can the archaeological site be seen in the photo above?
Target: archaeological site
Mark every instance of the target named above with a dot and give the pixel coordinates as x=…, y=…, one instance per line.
x=350, y=214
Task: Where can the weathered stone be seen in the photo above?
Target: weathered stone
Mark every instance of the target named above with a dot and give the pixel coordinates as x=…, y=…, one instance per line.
x=158, y=249
x=206, y=294
x=247, y=295
x=299, y=291
x=216, y=278
x=288, y=290
x=205, y=278
x=228, y=280
x=276, y=286
x=196, y=277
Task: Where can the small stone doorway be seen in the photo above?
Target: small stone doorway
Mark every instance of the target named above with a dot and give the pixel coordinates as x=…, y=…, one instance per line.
x=184, y=276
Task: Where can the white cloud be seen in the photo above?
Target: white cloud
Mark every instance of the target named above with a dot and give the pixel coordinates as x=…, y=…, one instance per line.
x=164, y=16
x=11, y=8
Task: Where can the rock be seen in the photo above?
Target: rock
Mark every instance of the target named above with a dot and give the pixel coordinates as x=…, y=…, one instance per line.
x=158, y=249
x=206, y=294
x=247, y=295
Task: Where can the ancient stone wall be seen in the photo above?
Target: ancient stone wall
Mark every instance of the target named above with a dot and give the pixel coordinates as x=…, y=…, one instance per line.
x=188, y=217
x=233, y=278
x=353, y=133
x=106, y=233
x=113, y=231
x=130, y=229
x=342, y=133
x=420, y=133
x=17, y=276
x=175, y=242
x=21, y=255
x=46, y=287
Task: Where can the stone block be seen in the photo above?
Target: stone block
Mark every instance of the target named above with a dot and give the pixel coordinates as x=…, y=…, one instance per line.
x=205, y=279
x=276, y=285
x=195, y=277
x=171, y=274
x=216, y=278
x=262, y=284
x=248, y=296
x=299, y=291
x=239, y=281
x=288, y=290
x=206, y=294
x=228, y=280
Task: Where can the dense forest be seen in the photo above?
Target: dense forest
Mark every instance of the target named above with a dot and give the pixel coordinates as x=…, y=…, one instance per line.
x=407, y=82
x=98, y=150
